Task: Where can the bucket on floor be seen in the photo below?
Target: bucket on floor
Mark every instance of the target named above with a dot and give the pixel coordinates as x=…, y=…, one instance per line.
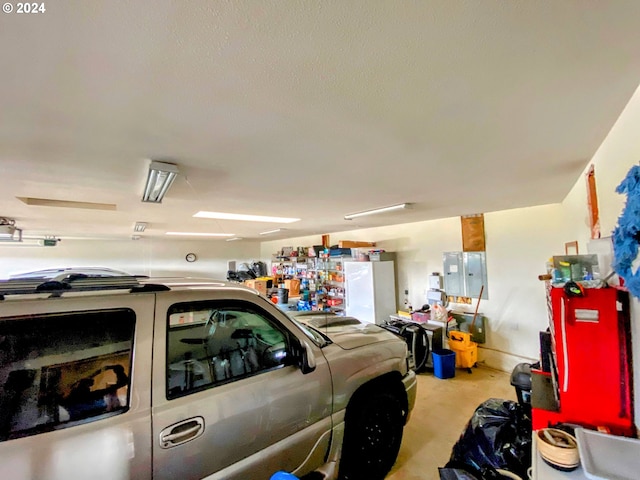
x=444, y=363
x=283, y=295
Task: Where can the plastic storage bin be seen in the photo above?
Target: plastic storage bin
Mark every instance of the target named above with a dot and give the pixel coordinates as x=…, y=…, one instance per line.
x=444, y=363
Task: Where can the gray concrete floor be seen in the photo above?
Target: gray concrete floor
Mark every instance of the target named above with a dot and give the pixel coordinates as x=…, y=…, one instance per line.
x=443, y=408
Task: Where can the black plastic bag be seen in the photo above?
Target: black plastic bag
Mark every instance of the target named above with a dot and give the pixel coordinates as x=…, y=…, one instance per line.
x=457, y=471
x=498, y=435
x=451, y=472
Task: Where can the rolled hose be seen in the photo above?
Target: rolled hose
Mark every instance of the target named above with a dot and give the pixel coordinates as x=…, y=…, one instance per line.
x=508, y=474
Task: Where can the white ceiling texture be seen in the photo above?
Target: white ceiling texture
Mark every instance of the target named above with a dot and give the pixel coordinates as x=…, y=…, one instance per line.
x=308, y=109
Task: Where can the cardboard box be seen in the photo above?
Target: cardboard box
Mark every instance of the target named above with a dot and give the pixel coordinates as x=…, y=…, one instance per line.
x=294, y=287
x=382, y=256
x=354, y=244
x=473, y=233
x=259, y=285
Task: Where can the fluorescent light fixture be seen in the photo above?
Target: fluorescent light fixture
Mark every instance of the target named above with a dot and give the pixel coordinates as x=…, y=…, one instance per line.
x=400, y=206
x=161, y=176
x=139, y=227
x=23, y=243
x=234, y=239
x=269, y=232
x=197, y=234
x=245, y=218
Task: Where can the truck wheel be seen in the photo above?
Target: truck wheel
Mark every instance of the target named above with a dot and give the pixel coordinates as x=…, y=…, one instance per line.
x=373, y=433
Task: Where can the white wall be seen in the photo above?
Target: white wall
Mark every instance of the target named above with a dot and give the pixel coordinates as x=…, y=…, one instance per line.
x=519, y=242
x=141, y=257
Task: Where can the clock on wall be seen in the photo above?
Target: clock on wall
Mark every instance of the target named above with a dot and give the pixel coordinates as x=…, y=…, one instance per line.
x=191, y=257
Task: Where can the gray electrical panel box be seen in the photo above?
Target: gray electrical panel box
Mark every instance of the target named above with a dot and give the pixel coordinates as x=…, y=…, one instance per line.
x=464, y=274
x=453, y=278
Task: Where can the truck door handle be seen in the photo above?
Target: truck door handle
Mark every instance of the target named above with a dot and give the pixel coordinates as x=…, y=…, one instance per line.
x=182, y=432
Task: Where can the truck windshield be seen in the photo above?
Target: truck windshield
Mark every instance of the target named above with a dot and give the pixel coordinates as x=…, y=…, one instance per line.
x=315, y=336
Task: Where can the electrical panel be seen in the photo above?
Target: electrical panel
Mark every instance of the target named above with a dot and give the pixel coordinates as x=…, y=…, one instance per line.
x=465, y=273
x=453, y=277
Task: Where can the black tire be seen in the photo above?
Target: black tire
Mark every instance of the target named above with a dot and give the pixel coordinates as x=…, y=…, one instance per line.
x=373, y=433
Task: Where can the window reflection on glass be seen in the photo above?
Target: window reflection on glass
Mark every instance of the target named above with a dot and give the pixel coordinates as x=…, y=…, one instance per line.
x=215, y=343
x=59, y=370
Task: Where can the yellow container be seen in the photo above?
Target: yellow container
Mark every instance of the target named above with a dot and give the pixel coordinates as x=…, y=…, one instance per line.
x=466, y=357
x=460, y=340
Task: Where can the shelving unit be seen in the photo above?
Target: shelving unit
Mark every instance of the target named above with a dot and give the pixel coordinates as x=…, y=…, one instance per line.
x=289, y=267
x=328, y=276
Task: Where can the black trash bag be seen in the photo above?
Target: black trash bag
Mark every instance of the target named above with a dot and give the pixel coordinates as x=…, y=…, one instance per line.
x=498, y=435
x=455, y=471
x=239, y=276
x=450, y=473
x=259, y=269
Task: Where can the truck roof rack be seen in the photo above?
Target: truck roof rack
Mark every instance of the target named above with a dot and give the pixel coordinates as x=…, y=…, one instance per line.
x=58, y=281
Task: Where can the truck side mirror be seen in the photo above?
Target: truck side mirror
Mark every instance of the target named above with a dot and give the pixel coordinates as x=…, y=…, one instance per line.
x=307, y=359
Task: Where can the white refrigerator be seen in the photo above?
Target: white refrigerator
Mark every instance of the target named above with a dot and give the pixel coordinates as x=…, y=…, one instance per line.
x=370, y=290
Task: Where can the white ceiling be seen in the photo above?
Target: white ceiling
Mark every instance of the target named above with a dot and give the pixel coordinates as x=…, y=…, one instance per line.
x=310, y=109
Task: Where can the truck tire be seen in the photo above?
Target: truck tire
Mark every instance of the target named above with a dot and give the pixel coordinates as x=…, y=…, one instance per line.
x=373, y=433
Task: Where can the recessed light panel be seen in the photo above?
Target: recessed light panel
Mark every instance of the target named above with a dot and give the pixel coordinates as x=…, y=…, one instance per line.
x=269, y=232
x=375, y=211
x=199, y=234
x=244, y=218
x=50, y=202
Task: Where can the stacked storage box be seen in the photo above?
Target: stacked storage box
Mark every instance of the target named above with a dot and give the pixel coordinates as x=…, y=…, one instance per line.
x=466, y=350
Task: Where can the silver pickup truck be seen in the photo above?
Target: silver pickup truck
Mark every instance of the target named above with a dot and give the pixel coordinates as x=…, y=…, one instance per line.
x=116, y=377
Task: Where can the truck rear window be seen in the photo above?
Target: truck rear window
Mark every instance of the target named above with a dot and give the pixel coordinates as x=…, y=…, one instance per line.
x=61, y=370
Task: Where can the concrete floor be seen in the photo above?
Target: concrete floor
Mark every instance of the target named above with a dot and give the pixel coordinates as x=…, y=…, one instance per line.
x=443, y=408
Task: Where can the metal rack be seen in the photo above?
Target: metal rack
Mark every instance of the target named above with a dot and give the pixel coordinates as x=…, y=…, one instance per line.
x=57, y=282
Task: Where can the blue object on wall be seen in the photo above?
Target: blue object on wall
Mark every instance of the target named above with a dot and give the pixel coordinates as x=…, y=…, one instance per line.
x=626, y=234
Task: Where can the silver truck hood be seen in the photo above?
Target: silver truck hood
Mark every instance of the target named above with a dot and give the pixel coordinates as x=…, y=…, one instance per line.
x=347, y=332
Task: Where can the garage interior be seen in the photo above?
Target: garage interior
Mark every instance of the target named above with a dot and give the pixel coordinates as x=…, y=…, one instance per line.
x=307, y=112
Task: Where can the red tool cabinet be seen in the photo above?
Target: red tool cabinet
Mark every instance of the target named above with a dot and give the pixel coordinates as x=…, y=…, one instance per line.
x=590, y=378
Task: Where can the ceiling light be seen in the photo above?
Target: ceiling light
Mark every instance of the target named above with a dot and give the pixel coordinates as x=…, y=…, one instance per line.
x=234, y=239
x=139, y=227
x=246, y=218
x=161, y=176
x=269, y=232
x=400, y=206
x=195, y=234
x=23, y=243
